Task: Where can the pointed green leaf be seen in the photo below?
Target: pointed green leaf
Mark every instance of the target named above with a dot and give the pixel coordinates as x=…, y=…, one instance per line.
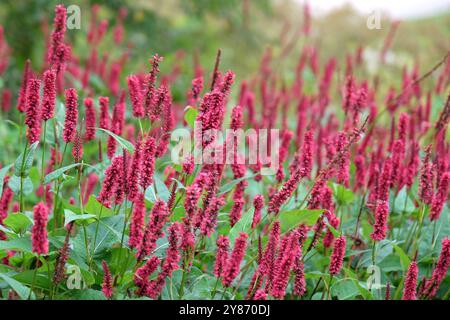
x=27, y=163
x=58, y=172
x=124, y=143
x=291, y=219
x=3, y=173
x=19, y=288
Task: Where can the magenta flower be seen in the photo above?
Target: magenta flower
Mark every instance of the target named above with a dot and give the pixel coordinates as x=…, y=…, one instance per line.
x=90, y=118
x=110, y=181
x=33, y=112
x=39, y=239
x=70, y=123
x=233, y=264
x=153, y=230
x=410, y=288
x=137, y=222
x=258, y=203
x=337, y=256
x=440, y=197
x=104, y=112
x=135, y=91
x=148, y=162
x=48, y=100
x=221, y=256
x=22, y=99
x=107, y=281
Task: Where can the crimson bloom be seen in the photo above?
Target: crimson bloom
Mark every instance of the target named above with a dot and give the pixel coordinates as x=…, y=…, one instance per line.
x=70, y=123
x=337, y=257
x=48, y=100
x=33, y=112
x=39, y=238
x=410, y=288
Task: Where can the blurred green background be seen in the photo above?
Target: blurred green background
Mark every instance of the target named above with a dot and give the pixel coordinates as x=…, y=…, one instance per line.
x=241, y=28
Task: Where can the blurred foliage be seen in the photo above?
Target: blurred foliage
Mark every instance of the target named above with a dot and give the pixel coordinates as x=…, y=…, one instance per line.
x=241, y=28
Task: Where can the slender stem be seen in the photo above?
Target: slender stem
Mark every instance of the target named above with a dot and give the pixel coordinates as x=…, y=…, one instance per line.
x=34, y=276
x=43, y=157
x=374, y=252
x=316, y=287
x=140, y=127
x=21, y=201
x=183, y=278
x=213, y=294
x=125, y=222
x=80, y=199
x=56, y=215
x=419, y=230
x=95, y=236
x=434, y=233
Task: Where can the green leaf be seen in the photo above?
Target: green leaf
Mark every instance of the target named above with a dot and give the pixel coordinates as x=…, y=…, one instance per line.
x=124, y=143
x=14, y=184
x=291, y=219
x=27, y=163
x=94, y=207
x=3, y=173
x=19, y=288
x=243, y=225
x=345, y=289
x=190, y=115
x=72, y=216
x=19, y=244
x=403, y=202
x=404, y=259
x=342, y=195
x=161, y=189
x=87, y=294
x=40, y=281
x=17, y=222
x=58, y=172
x=230, y=185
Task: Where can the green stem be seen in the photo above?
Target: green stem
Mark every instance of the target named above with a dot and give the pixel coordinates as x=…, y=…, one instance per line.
x=80, y=199
x=95, y=236
x=43, y=157
x=34, y=276
x=374, y=250
x=419, y=230
x=183, y=278
x=56, y=214
x=213, y=294
x=21, y=200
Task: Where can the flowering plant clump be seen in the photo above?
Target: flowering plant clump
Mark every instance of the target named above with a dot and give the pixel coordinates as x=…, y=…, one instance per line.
x=267, y=186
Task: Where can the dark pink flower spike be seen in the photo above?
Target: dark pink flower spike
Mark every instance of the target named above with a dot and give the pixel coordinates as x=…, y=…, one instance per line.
x=153, y=230
x=33, y=112
x=22, y=99
x=233, y=264
x=90, y=118
x=107, y=281
x=410, y=288
x=337, y=256
x=70, y=123
x=223, y=245
x=104, y=113
x=258, y=203
x=148, y=162
x=49, y=97
x=110, y=181
x=426, y=178
x=440, y=198
x=137, y=222
x=39, y=238
x=135, y=91
x=440, y=270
